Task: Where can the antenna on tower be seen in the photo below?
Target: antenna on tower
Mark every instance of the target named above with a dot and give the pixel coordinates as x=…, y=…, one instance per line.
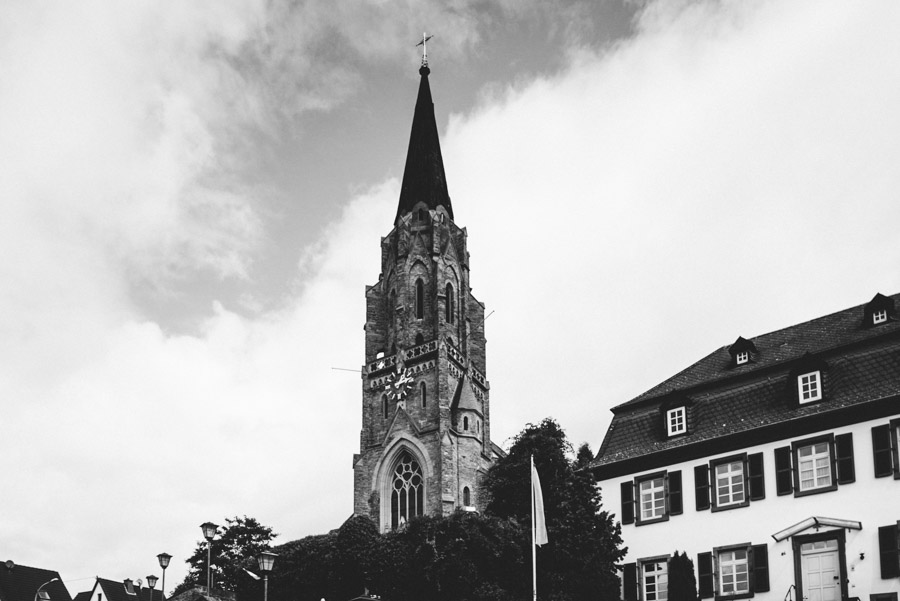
x=424, y=46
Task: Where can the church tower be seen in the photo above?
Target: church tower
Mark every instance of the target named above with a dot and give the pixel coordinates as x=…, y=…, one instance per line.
x=425, y=441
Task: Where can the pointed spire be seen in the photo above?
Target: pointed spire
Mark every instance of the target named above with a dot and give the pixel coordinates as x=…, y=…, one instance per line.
x=423, y=176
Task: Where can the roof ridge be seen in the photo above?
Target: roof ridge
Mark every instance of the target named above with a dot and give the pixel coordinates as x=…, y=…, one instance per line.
x=667, y=386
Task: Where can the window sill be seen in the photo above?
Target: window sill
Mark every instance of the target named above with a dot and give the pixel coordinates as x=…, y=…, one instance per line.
x=746, y=595
x=815, y=491
x=716, y=508
x=639, y=522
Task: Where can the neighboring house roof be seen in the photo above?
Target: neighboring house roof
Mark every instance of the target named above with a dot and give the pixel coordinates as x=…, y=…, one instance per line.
x=83, y=596
x=116, y=590
x=21, y=583
x=755, y=402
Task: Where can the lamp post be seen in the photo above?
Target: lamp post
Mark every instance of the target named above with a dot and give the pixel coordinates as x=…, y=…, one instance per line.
x=164, y=559
x=266, y=560
x=37, y=593
x=209, y=533
x=151, y=582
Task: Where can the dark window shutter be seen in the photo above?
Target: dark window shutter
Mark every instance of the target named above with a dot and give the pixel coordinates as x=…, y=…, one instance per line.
x=888, y=552
x=881, y=450
x=627, y=503
x=705, y=575
x=757, y=479
x=843, y=450
x=629, y=581
x=784, y=477
x=760, y=554
x=676, y=506
x=701, y=487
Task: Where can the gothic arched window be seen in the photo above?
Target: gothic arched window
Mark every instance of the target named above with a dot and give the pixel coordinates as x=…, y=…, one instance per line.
x=466, y=424
x=407, y=491
x=384, y=406
x=467, y=499
x=420, y=299
x=449, y=309
x=420, y=339
x=423, y=394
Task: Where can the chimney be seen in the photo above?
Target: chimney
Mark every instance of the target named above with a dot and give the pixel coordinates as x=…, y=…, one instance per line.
x=129, y=587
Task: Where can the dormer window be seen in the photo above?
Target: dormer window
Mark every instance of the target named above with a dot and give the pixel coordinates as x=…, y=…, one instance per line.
x=807, y=380
x=809, y=386
x=879, y=310
x=676, y=421
x=742, y=351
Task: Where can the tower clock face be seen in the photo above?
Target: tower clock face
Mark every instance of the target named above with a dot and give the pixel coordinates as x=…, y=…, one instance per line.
x=398, y=387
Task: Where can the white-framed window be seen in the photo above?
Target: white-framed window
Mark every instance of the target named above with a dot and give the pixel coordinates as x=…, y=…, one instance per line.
x=879, y=316
x=814, y=466
x=655, y=580
x=809, y=386
x=730, y=483
x=734, y=572
x=676, y=421
x=652, y=498
x=742, y=357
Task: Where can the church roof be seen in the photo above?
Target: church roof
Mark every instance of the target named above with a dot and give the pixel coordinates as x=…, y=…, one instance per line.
x=423, y=176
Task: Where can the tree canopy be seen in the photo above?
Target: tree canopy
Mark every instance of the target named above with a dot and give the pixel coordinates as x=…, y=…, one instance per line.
x=234, y=549
x=467, y=556
x=579, y=561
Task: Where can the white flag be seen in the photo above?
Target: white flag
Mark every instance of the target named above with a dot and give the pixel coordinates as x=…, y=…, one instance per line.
x=540, y=526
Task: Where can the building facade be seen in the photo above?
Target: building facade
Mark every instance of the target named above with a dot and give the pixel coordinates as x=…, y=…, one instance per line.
x=773, y=462
x=425, y=440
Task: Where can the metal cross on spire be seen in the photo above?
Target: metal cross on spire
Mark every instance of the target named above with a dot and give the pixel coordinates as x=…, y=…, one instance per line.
x=424, y=46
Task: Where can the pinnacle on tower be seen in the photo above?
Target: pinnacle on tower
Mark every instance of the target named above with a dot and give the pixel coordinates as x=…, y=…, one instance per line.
x=423, y=176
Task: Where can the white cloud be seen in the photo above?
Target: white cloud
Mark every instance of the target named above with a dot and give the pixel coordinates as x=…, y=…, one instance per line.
x=718, y=175
x=728, y=171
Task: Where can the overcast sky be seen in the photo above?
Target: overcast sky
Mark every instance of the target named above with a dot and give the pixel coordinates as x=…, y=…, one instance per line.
x=193, y=193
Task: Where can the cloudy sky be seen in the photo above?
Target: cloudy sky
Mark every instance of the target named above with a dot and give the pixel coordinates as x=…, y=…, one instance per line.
x=192, y=196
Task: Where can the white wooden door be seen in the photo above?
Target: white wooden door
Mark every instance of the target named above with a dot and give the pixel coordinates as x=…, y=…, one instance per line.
x=821, y=571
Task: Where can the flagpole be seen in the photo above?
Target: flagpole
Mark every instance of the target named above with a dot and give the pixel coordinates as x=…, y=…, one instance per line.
x=533, y=545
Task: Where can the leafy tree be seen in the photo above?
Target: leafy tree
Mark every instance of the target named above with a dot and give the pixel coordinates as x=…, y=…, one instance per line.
x=234, y=549
x=682, y=582
x=584, y=456
x=578, y=563
x=303, y=570
x=460, y=557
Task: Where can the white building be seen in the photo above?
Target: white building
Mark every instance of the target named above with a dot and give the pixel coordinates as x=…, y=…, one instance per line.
x=772, y=462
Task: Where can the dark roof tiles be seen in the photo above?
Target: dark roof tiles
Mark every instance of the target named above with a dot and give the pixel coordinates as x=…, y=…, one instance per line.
x=814, y=336
x=21, y=583
x=863, y=365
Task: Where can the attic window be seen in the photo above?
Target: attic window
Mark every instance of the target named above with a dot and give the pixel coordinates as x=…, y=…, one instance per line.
x=809, y=386
x=676, y=421
x=742, y=351
x=879, y=310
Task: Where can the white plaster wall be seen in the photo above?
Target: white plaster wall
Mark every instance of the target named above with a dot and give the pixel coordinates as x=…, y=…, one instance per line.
x=873, y=501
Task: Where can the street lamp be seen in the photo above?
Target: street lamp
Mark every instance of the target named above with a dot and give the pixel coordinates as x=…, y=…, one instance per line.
x=151, y=582
x=37, y=593
x=266, y=560
x=164, y=559
x=209, y=533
